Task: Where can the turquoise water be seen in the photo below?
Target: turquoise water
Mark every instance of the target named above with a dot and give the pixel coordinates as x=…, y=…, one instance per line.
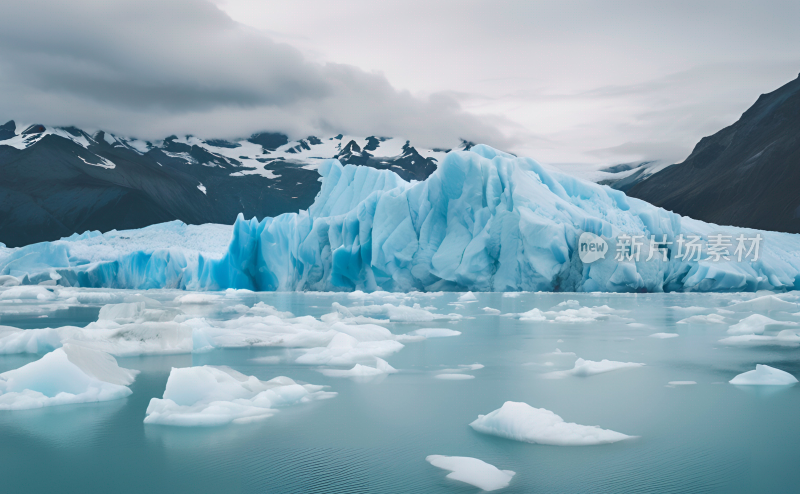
x=374, y=436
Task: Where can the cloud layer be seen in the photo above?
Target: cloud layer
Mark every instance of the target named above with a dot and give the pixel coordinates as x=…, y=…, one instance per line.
x=150, y=68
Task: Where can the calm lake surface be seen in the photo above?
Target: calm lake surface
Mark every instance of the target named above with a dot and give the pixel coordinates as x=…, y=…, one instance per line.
x=374, y=436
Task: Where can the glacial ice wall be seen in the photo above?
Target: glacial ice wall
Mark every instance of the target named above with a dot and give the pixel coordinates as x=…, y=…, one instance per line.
x=484, y=221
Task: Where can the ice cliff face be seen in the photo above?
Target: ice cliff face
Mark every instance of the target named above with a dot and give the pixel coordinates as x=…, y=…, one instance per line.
x=484, y=220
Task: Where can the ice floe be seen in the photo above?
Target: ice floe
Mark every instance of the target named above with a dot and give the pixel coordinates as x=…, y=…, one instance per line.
x=664, y=336
x=435, y=332
x=764, y=375
x=27, y=292
x=787, y=338
x=558, y=352
x=213, y=396
x=703, y=319
x=767, y=303
x=395, y=313
x=468, y=297
x=344, y=349
x=70, y=374
x=362, y=371
x=522, y=422
x=454, y=377
x=585, y=368
x=757, y=324
x=472, y=471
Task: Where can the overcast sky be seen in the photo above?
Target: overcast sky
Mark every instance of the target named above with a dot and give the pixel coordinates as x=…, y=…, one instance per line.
x=560, y=81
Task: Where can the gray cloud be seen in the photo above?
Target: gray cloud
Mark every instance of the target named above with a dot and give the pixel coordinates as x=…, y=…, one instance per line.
x=150, y=68
x=576, y=76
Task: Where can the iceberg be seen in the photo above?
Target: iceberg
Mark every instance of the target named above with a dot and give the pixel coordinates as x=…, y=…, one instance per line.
x=522, y=422
x=483, y=221
x=213, y=396
x=70, y=374
x=764, y=375
x=472, y=471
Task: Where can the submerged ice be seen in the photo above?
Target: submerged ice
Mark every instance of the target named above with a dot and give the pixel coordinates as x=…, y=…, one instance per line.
x=483, y=221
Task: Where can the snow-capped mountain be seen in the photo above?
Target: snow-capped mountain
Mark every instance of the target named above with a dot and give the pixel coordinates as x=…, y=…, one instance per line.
x=745, y=175
x=57, y=181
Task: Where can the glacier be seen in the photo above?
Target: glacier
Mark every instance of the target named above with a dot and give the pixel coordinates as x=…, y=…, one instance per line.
x=483, y=221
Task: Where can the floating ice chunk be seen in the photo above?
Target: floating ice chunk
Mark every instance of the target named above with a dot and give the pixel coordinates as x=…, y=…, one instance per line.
x=272, y=359
x=786, y=338
x=533, y=315
x=468, y=297
x=689, y=309
x=435, y=332
x=27, y=292
x=764, y=375
x=703, y=319
x=363, y=371
x=7, y=280
x=569, y=303
x=39, y=341
x=129, y=340
x=67, y=375
x=211, y=396
x=584, y=368
x=464, y=368
x=259, y=331
x=397, y=313
x=472, y=471
x=262, y=309
x=522, y=422
x=346, y=350
x=767, y=303
x=756, y=324
x=454, y=377
x=490, y=310
x=582, y=315
x=135, y=312
x=91, y=296
x=672, y=384
x=511, y=294
x=664, y=336
x=558, y=352
x=197, y=298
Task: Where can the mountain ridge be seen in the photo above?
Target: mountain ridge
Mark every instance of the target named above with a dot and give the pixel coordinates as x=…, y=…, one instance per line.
x=57, y=181
x=746, y=174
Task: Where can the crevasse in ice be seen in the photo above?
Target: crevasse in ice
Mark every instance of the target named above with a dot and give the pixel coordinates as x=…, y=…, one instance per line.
x=483, y=221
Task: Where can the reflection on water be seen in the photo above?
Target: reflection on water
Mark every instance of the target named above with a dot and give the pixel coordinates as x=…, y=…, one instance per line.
x=374, y=436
